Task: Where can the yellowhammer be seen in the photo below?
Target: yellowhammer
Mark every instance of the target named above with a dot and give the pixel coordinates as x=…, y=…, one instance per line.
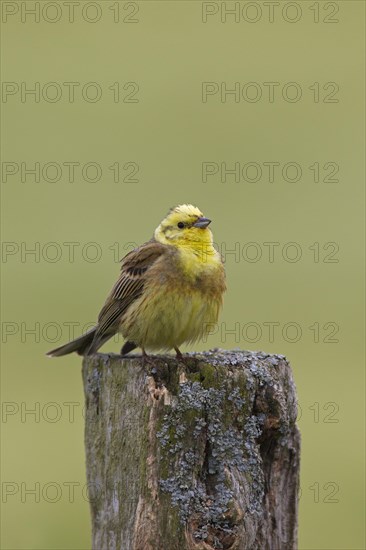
x=169, y=291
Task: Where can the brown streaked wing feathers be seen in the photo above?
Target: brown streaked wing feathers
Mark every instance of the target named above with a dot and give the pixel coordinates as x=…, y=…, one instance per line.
x=129, y=285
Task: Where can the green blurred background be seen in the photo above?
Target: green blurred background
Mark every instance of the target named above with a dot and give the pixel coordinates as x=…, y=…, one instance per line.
x=167, y=132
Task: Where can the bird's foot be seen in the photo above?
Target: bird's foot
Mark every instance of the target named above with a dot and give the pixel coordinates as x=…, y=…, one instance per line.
x=147, y=360
x=181, y=358
x=179, y=353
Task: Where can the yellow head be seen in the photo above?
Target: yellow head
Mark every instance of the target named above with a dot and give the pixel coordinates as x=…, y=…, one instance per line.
x=186, y=226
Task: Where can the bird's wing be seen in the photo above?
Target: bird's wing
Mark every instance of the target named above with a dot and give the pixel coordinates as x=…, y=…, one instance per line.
x=129, y=286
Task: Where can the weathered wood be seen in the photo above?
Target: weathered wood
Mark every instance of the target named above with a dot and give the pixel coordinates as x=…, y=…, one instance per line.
x=192, y=456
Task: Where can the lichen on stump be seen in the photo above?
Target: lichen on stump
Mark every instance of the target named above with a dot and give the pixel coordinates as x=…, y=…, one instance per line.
x=197, y=455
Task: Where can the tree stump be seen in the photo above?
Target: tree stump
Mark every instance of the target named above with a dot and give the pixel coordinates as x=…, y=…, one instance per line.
x=194, y=455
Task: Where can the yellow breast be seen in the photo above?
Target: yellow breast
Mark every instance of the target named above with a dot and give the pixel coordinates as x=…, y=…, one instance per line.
x=180, y=303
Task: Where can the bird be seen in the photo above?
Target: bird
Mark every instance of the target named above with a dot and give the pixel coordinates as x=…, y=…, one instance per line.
x=169, y=292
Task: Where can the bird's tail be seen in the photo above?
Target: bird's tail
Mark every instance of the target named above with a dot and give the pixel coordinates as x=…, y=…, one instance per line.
x=81, y=345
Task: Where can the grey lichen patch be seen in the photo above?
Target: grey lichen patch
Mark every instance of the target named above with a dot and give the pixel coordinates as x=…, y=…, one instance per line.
x=218, y=419
x=208, y=421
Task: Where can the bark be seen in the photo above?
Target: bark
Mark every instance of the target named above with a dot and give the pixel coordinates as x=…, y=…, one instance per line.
x=197, y=455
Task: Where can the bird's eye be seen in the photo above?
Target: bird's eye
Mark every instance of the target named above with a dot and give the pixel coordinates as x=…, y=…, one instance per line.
x=180, y=225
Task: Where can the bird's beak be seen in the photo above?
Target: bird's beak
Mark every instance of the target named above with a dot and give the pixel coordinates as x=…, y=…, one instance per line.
x=202, y=222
